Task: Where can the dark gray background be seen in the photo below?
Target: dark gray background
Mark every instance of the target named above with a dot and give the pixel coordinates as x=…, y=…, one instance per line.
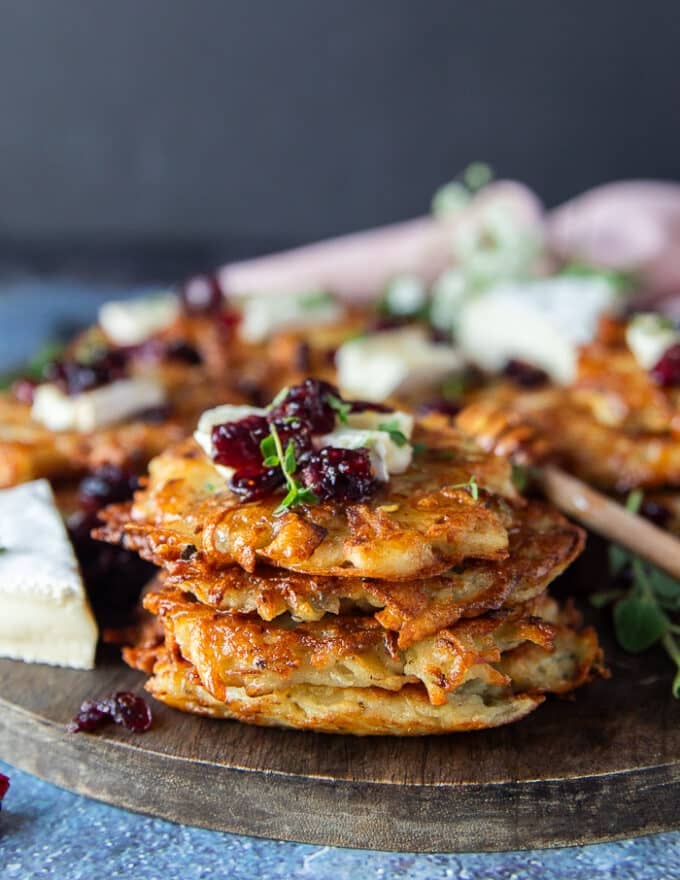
x=277, y=121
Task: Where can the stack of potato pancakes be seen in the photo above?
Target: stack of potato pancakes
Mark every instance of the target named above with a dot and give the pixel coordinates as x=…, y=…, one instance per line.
x=409, y=602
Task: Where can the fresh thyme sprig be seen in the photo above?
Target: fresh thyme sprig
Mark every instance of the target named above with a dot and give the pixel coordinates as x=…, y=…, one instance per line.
x=392, y=428
x=35, y=367
x=273, y=455
x=641, y=611
x=342, y=409
x=471, y=486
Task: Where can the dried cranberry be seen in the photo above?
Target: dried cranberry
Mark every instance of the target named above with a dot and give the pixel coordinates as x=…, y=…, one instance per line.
x=524, y=374
x=666, y=371
x=255, y=483
x=24, y=390
x=442, y=405
x=90, y=716
x=4, y=786
x=123, y=707
x=129, y=710
x=74, y=377
x=178, y=350
x=108, y=484
x=295, y=432
x=309, y=404
x=363, y=405
x=656, y=513
x=384, y=323
x=237, y=444
x=201, y=294
x=339, y=474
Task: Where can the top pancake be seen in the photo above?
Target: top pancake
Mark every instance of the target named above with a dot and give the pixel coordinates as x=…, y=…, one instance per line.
x=419, y=524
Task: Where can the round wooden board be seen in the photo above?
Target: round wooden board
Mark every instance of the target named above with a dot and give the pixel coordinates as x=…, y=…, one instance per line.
x=600, y=767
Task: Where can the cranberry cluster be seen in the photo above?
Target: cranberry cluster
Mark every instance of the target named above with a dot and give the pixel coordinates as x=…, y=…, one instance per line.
x=74, y=377
x=666, y=372
x=305, y=410
x=114, y=577
x=442, y=405
x=123, y=707
x=524, y=374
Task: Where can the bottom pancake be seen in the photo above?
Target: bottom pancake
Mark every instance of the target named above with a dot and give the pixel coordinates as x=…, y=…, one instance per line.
x=347, y=675
x=374, y=711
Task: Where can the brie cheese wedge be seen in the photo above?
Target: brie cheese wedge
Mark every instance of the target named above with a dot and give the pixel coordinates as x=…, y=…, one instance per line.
x=649, y=336
x=130, y=322
x=97, y=408
x=376, y=366
x=543, y=322
x=44, y=613
x=264, y=315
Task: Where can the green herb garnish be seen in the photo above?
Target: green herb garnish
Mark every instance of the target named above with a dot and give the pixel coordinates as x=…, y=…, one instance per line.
x=471, y=486
x=315, y=299
x=3, y=550
x=342, y=409
x=392, y=428
x=641, y=612
x=35, y=367
x=273, y=455
x=622, y=282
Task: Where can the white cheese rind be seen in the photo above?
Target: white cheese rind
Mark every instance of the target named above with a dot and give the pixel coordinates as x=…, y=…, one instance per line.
x=649, y=336
x=377, y=366
x=266, y=314
x=131, y=322
x=44, y=613
x=541, y=321
x=97, y=408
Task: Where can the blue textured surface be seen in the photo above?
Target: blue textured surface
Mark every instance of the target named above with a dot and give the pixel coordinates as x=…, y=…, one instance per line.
x=50, y=833
x=46, y=832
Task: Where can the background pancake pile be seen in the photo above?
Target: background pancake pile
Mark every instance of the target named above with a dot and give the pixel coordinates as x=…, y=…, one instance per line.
x=421, y=610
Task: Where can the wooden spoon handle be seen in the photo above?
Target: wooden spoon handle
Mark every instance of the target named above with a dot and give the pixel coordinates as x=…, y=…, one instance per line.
x=609, y=519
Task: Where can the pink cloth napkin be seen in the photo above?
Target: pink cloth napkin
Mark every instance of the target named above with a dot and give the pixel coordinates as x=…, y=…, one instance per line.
x=633, y=226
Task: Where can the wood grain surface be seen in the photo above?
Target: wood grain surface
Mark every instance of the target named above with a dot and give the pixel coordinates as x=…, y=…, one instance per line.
x=602, y=766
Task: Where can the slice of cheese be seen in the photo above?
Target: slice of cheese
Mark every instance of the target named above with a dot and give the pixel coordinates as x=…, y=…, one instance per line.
x=97, y=408
x=44, y=613
x=376, y=366
x=541, y=321
x=649, y=336
x=266, y=314
x=130, y=322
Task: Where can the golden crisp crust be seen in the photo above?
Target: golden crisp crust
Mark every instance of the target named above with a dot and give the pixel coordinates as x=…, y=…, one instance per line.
x=231, y=650
x=531, y=427
x=375, y=711
x=542, y=543
x=419, y=524
x=618, y=391
x=29, y=451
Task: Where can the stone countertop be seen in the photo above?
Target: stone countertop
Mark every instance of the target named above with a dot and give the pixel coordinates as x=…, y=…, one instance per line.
x=47, y=832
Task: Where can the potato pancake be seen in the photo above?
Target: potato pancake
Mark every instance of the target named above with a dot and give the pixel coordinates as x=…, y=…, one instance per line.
x=419, y=524
x=531, y=672
x=541, y=545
